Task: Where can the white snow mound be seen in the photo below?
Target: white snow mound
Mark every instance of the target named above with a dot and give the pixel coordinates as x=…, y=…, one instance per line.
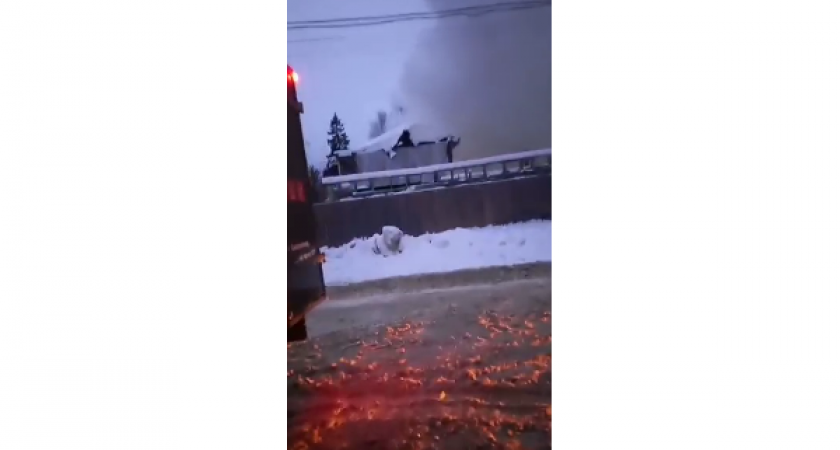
x=394, y=254
x=389, y=242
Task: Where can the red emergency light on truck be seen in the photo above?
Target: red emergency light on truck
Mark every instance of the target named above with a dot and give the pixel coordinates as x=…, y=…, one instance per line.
x=305, y=276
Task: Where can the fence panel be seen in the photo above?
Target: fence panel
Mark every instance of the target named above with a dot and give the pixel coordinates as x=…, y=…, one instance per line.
x=470, y=205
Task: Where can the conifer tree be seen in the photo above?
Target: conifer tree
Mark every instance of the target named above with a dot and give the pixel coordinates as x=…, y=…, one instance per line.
x=338, y=139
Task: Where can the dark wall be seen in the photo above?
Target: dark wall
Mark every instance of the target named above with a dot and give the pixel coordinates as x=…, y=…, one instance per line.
x=416, y=213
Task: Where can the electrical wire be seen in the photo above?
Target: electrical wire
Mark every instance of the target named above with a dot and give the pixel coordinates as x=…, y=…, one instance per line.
x=468, y=11
x=314, y=39
x=400, y=15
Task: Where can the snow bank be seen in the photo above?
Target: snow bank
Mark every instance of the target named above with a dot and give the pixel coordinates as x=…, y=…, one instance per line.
x=448, y=251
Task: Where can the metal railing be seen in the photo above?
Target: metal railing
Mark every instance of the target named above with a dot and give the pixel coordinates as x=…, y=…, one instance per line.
x=440, y=175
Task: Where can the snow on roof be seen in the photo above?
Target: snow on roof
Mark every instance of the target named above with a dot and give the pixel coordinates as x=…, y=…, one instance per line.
x=386, y=140
x=343, y=153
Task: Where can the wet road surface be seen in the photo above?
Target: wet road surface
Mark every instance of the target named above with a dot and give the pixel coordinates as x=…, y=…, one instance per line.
x=457, y=368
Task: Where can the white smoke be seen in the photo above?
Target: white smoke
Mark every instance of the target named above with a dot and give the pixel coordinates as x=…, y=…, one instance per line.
x=486, y=79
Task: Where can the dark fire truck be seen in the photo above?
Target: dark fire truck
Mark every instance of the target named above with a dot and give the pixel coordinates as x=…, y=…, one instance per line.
x=305, y=274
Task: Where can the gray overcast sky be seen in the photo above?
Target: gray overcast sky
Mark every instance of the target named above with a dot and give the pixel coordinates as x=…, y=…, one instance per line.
x=353, y=72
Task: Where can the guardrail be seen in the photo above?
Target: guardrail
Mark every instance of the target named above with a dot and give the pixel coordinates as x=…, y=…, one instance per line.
x=440, y=175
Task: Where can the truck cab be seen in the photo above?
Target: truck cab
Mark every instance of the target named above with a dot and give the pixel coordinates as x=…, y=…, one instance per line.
x=305, y=276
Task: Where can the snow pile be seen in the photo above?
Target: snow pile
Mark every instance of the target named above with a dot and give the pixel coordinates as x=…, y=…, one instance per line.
x=448, y=251
x=389, y=242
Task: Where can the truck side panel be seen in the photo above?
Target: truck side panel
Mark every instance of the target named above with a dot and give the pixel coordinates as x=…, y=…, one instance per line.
x=305, y=276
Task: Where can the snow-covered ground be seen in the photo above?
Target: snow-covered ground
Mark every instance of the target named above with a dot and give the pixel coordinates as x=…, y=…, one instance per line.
x=448, y=251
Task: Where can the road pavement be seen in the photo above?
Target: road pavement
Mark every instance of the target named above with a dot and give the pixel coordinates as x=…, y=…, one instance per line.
x=444, y=368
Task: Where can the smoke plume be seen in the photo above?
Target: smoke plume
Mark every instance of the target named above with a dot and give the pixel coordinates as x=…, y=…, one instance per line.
x=486, y=79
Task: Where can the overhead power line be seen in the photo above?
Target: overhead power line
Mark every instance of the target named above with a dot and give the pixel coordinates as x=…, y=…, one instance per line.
x=446, y=11
x=315, y=39
x=468, y=11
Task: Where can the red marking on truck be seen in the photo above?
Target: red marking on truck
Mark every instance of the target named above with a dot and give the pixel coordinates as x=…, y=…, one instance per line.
x=297, y=191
